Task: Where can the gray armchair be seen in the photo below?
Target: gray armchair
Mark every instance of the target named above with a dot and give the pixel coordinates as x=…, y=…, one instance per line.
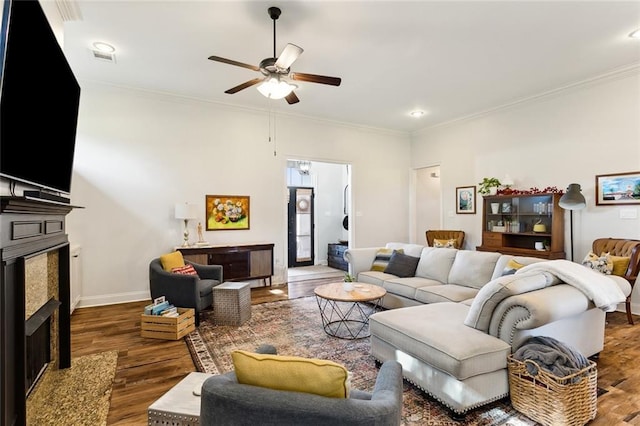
x=185, y=291
x=226, y=402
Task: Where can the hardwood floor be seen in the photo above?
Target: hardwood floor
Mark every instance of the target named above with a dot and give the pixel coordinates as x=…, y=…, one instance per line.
x=147, y=368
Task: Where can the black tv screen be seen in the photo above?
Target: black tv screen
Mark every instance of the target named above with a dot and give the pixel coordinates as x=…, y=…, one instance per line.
x=39, y=99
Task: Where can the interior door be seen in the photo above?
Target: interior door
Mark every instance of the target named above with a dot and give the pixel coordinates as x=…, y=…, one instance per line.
x=300, y=226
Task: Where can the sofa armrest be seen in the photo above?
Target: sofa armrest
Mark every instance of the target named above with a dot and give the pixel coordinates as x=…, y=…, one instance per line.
x=536, y=308
x=360, y=259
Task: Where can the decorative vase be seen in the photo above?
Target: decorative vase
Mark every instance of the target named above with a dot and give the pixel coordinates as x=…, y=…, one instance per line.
x=347, y=285
x=495, y=208
x=493, y=190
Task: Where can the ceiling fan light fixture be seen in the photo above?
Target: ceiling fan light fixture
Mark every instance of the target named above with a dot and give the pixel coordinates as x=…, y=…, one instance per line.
x=275, y=88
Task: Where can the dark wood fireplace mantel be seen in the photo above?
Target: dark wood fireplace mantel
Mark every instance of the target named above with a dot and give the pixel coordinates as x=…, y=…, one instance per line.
x=28, y=228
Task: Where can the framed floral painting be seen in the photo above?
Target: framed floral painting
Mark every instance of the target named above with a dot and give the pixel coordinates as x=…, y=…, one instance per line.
x=466, y=199
x=227, y=212
x=618, y=189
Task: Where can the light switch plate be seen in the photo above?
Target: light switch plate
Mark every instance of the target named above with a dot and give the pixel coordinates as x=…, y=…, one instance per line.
x=628, y=213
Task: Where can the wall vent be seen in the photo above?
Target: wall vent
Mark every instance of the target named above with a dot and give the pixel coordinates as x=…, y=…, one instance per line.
x=104, y=56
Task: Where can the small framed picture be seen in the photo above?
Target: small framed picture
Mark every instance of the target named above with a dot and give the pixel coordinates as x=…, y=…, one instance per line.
x=618, y=189
x=506, y=207
x=466, y=200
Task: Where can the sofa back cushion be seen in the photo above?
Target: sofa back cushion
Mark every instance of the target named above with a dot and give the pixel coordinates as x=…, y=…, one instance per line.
x=409, y=249
x=435, y=263
x=473, y=268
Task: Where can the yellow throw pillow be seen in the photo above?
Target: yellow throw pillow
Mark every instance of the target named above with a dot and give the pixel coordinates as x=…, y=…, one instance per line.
x=172, y=260
x=620, y=264
x=452, y=243
x=291, y=373
x=511, y=267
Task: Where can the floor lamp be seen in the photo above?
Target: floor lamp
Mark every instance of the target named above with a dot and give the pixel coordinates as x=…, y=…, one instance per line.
x=572, y=200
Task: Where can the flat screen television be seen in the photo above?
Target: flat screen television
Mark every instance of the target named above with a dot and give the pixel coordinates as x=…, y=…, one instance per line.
x=39, y=100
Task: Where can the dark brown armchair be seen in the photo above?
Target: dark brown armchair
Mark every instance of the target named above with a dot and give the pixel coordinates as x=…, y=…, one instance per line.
x=626, y=248
x=445, y=234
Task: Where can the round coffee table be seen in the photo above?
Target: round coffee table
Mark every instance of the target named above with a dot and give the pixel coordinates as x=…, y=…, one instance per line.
x=345, y=314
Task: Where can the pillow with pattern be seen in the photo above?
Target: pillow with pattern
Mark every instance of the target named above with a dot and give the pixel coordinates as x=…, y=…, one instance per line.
x=187, y=269
x=445, y=243
x=602, y=264
x=383, y=256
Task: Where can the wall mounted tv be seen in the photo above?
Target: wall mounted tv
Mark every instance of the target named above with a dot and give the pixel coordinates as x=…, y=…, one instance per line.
x=39, y=99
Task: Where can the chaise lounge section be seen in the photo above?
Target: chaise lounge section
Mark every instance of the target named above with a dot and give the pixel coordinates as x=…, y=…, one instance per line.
x=453, y=322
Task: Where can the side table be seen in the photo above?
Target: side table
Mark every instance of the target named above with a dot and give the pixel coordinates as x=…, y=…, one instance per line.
x=179, y=406
x=231, y=303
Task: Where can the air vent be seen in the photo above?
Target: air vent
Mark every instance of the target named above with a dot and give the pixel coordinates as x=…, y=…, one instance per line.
x=104, y=56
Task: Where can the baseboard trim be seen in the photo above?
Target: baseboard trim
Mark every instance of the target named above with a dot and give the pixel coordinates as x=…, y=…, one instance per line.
x=112, y=299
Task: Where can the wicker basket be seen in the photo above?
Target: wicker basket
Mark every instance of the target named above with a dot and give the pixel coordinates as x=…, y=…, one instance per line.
x=553, y=400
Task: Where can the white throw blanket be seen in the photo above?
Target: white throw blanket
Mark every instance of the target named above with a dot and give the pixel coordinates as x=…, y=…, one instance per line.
x=602, y=290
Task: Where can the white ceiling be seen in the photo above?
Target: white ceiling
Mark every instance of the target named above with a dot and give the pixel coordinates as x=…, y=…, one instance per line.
x=451, y=59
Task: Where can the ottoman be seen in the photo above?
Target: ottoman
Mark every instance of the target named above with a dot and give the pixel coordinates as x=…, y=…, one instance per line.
x=180, y=406
x=231, y=303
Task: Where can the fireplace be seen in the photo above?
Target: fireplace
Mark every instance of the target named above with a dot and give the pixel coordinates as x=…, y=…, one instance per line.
x=35, y=332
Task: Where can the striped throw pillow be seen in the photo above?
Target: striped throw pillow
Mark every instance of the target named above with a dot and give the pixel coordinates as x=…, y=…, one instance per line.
x=383, y=256
x=187, y=269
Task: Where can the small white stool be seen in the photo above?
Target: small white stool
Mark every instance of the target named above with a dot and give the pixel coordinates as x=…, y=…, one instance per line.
x=231, y=303
x=179, y=406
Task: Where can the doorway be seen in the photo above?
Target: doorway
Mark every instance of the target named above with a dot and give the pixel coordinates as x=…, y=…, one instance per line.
x=300, y=227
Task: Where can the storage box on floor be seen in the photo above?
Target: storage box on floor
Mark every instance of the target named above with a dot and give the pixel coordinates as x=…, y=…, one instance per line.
x=552, y=400
x=170, y=328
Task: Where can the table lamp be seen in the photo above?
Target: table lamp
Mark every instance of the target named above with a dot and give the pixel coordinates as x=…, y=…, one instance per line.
x=186, y=212
x=572, y=200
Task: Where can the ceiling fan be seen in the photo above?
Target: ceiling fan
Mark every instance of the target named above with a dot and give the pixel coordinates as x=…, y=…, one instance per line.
x=276, y=71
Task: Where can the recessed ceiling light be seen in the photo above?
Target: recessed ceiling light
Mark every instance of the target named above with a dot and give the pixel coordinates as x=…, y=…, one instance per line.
x=635, y=34
x=416, y=114
x=104, y=47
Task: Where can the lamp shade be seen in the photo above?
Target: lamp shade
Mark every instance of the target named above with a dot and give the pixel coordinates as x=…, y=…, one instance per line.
x=185, y=211
x=573, y=198
x=275, y=88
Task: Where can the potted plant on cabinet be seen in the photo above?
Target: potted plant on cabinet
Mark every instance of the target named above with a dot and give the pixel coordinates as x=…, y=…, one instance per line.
x=489, y=186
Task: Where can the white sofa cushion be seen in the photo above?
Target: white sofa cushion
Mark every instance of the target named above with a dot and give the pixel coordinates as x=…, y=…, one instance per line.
x=407, y=286
x=435, y=263
x=410, y=249
x=436, y=335
x=445, y=293
x=472, y=268
x=374, y=277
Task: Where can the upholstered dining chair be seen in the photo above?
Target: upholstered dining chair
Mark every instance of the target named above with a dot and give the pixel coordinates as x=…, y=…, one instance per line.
x=185, y=291
x=224, y=401
x=445, y=234
x=623, y=248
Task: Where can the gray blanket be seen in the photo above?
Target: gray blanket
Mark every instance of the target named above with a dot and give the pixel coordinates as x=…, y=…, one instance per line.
x=552, y=356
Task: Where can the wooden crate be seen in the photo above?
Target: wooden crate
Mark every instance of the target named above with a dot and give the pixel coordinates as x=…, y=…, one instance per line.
x=169, y=328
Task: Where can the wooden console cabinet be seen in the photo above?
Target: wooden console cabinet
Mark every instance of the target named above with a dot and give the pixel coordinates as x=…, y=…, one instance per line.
x=239, y=262
x=509, y=220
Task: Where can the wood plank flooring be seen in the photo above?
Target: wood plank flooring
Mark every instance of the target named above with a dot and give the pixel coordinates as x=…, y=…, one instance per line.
x=147, y=368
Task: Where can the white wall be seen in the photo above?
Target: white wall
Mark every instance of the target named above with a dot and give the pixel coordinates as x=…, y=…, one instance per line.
x=567, y=137
x=137, y=154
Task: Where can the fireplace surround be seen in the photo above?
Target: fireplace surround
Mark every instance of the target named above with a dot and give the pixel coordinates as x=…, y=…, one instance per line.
x=35, y=318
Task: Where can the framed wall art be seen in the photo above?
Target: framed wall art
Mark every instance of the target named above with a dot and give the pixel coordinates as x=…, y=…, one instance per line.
x=466, y=199
x=618, y=189
x=227, y=212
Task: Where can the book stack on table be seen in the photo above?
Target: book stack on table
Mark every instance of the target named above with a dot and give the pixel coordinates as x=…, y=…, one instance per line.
x=162, y=307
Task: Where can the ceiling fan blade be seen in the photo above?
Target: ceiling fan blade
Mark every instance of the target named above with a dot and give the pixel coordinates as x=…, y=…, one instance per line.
x=313, y=78
x=244, y=85
x=289, y=54
x=292, y=98
x=232, y=62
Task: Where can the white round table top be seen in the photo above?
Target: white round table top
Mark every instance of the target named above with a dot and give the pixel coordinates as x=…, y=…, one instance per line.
x=361, y=292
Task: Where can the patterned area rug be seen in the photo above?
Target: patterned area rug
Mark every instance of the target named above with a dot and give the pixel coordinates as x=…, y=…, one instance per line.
x=77, y=396
x=294, y=328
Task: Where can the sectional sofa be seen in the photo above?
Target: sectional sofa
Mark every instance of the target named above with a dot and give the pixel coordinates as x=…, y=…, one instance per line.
x=453, y=322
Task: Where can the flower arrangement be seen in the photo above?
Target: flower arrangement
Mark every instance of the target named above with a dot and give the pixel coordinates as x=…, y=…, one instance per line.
x=348, y=278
